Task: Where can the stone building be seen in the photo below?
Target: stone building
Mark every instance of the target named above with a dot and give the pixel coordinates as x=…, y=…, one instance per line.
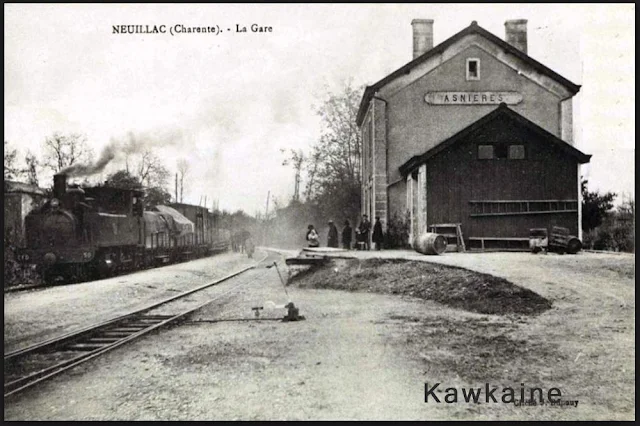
x=472, y=131
x=19, y=199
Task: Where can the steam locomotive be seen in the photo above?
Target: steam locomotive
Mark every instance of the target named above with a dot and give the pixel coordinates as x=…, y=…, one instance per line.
x=95, y=232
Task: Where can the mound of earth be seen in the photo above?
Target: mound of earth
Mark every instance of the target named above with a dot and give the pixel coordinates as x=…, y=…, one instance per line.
x=455, y=287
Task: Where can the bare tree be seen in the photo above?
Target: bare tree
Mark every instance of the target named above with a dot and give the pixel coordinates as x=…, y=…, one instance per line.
x=149, y=169
x=10, y=168
x=312, y=171
x=61, y=151
x=335, y=166
x=296, y=159
x=31, y=169
x=183, y=171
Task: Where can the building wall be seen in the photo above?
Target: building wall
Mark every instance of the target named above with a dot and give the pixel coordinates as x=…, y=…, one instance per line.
x=367, y=162
x=379, y=161
x=415, y=126
x=455, y=176
x=16, y=207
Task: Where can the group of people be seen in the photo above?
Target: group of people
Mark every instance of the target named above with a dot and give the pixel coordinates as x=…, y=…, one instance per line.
x=362, y=235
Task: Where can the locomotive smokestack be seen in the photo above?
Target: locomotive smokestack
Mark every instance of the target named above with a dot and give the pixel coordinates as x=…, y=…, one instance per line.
x=59, y=185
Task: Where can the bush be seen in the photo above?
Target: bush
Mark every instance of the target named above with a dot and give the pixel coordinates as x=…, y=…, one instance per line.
x=614, y=235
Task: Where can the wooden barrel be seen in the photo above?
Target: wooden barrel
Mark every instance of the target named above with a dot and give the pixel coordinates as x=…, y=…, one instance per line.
x=573, y=245
x=430, y=243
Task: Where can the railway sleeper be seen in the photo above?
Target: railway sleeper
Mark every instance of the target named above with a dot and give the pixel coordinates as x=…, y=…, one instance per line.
x=115, y=334
x=85, y=346
x=157, y=318
x=103, y=339
x=143, y=324
x=129, y=329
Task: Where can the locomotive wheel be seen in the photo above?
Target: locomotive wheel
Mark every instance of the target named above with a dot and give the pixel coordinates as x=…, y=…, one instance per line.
x=49, y=277
x=54, y=276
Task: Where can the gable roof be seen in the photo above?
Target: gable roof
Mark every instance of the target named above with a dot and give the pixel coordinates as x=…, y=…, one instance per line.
x=503, y=111
x=474, y=28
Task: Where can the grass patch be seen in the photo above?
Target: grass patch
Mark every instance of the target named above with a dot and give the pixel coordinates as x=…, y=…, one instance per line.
x=451, y=286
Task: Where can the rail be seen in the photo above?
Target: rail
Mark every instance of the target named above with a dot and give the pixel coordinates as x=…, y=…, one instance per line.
x=92, y=341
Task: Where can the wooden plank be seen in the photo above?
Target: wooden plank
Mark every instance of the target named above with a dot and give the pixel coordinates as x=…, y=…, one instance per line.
x=521, y=201
x=523, y=213
x=498, y=239
x=501, y=249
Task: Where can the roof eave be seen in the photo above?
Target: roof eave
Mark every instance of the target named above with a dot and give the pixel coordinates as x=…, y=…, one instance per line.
x=417, y=160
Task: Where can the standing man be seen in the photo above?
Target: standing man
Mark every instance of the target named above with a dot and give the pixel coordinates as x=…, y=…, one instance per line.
x=364, y=228
x=332, y=238
x=378, y=237
x=346, y=235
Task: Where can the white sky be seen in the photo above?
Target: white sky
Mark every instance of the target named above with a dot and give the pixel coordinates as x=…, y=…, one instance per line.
x=239, y=98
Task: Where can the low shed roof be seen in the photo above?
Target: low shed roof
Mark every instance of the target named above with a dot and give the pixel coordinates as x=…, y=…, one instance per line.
x=21, y=187
x=503, y=111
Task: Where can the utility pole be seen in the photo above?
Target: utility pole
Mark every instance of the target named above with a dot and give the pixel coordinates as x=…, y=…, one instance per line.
x=176, y=187
x=266, y=216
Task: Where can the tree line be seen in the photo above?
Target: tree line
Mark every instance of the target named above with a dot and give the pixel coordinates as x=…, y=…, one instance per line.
x=606, y=227
x=141, y=170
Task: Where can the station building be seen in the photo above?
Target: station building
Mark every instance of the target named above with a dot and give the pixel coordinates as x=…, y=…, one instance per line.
x=472, y=131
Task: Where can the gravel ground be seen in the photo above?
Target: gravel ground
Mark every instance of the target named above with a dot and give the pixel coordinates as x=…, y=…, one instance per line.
x=368, y=356
x=588, y=336
x=35, y=315
x=226, y=364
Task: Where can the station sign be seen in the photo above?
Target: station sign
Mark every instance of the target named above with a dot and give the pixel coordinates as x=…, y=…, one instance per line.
x=473, y=98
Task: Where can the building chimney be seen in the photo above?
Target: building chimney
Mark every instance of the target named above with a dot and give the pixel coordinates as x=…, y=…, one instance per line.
x=422, y=36
x=516, y=33
x=59, y=186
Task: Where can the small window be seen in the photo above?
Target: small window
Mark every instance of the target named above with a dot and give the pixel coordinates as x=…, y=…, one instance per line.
x=516, y=152
x=501, y=151
x=485, y=152
x=473, y=69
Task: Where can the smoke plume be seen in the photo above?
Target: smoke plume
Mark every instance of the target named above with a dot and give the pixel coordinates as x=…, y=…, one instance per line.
x=130, y=144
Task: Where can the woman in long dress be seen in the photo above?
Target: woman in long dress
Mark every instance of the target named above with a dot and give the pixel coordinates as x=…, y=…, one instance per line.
x=312, y=237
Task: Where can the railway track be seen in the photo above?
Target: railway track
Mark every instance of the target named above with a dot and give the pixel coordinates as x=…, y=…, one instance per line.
x=27, y=367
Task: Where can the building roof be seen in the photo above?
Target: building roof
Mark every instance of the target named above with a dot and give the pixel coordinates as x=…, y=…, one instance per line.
x=21, y=187
x=474, y=28
x=503, y=111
